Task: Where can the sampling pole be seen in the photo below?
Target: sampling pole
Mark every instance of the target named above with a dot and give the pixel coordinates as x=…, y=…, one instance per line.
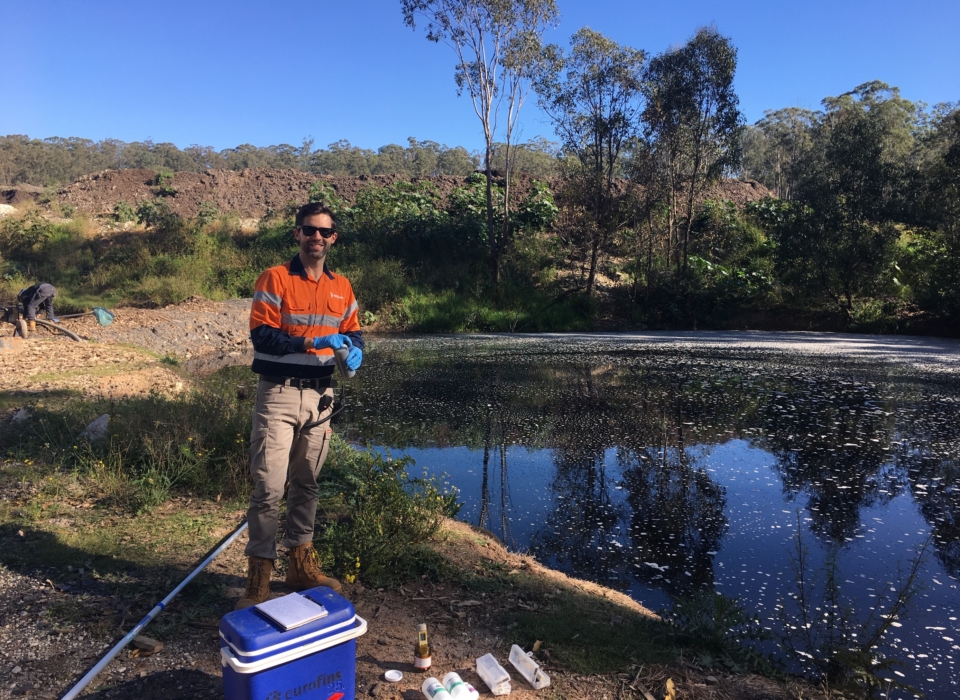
x=224, y=543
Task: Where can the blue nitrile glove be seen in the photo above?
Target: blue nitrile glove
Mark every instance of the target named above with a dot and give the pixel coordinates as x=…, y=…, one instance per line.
x=354, y=358
x=334, y=341
x=53, y=319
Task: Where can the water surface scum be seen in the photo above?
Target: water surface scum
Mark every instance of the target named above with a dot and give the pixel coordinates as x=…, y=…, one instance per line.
x=663, y=464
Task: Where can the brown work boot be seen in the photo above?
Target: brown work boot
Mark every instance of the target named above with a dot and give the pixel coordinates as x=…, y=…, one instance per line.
x=303, y=571
x=258, y=582
x=31, y=326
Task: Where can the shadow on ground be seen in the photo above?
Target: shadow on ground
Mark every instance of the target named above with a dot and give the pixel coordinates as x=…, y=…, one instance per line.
x=164, y=685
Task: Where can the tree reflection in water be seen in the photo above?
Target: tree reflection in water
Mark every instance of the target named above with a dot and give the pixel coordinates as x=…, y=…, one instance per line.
x=645, y=466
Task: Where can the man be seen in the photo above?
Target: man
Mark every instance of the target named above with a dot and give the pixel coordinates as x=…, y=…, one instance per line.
x=301, y=313
x=32, y=298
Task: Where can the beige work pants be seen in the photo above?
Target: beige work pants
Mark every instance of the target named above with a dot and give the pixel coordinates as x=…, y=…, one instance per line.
x=280, y=453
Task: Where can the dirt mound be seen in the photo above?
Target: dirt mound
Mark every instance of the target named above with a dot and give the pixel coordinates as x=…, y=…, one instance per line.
x=248, y=193
x=17, y=194
x=740, y=192
x=252, y=193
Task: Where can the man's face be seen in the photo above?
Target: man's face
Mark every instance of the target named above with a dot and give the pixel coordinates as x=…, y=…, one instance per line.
x=315, y=247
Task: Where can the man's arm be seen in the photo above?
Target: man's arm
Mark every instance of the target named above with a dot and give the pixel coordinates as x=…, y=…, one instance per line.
x=265, y=333
x=274, y=341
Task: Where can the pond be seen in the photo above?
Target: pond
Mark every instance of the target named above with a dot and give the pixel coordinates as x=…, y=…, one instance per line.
x=660, y=464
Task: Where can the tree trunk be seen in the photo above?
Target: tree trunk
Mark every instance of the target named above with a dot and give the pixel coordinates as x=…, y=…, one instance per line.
x=491, y=232
x=594, y=255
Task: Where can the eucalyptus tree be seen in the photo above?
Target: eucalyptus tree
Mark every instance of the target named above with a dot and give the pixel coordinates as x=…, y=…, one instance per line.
x=775, y=145
x=593, y=96
x=841, y=236
x=498, y=48
x=693, y=120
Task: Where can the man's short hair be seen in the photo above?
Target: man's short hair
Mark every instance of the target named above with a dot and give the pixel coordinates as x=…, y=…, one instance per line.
x=313, y=209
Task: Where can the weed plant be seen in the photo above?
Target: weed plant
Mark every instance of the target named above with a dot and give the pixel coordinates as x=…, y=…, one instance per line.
x=380, y=517
x=156, y=445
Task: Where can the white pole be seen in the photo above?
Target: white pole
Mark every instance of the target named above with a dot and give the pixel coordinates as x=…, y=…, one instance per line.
x=78, y=688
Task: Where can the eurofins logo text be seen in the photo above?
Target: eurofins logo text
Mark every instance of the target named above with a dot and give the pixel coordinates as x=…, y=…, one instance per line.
x=321, y=681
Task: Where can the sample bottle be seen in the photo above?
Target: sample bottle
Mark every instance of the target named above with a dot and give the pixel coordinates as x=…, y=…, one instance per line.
x=421, y=652
x=434, y=690
x=340, y=357
x=459, y=689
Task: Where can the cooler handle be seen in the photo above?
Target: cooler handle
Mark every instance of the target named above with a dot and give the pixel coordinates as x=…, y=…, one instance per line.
x=227, y=657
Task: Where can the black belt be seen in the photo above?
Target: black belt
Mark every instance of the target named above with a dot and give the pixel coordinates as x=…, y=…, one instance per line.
x=318, y=383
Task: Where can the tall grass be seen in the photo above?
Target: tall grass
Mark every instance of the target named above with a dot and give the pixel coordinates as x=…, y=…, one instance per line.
x=164, y=264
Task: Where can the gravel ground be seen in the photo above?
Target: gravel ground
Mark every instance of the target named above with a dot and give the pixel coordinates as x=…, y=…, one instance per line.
x=41, y=656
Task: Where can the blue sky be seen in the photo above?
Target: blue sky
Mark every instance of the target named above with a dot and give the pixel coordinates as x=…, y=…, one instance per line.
x=225, y=73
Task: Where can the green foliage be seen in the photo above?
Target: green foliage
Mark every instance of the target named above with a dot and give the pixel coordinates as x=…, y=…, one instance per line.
x=389, y=516
x=207, y=213
x=692, y=123
x=324, y=193
x=378, y=283
x=58, y=161
x=196, y=442
x=124, y=212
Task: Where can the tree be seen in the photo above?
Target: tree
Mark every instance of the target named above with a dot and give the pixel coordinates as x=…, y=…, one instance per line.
x=593, y=95
x=498, y=47
x=841, y=235
x=775, y=145
x=693, y=120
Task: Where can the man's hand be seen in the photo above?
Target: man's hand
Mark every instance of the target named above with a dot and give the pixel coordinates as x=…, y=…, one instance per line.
x=354, y=358
x=335, y=341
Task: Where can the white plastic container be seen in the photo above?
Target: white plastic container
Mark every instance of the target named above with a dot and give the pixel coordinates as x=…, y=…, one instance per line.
x=528, y=668
x=458, y=688
x=434, y=690
x=493, y=674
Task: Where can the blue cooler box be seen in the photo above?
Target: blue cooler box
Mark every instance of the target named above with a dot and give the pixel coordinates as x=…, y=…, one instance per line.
x=316, y=661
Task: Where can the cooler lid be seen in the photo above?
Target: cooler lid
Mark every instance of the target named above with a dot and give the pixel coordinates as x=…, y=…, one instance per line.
x=251, y=634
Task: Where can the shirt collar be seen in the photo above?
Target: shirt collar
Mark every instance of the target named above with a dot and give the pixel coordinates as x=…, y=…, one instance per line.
x=296, y=268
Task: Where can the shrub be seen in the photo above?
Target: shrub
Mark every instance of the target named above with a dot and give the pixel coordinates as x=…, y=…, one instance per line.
x=387, y=516
x=123, y=212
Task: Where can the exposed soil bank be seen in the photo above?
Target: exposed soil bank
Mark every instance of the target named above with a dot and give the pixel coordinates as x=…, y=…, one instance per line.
x=253, y=192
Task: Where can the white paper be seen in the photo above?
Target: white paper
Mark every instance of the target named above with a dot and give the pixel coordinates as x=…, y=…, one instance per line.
x=292, y=610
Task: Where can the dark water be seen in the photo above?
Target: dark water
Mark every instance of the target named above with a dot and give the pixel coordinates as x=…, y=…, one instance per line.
x=661, y=468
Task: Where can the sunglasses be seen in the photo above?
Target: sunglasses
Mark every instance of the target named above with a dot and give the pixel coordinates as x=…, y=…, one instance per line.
x=310, y=231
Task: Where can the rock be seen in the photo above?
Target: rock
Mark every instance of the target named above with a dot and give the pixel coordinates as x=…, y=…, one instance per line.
x=97, y=430
x=21, y=416
x=6, y=210
x=147, y=644
x=712, y=680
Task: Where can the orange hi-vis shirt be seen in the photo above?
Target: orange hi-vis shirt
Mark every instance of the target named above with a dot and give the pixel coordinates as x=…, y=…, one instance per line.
x=289, y=310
